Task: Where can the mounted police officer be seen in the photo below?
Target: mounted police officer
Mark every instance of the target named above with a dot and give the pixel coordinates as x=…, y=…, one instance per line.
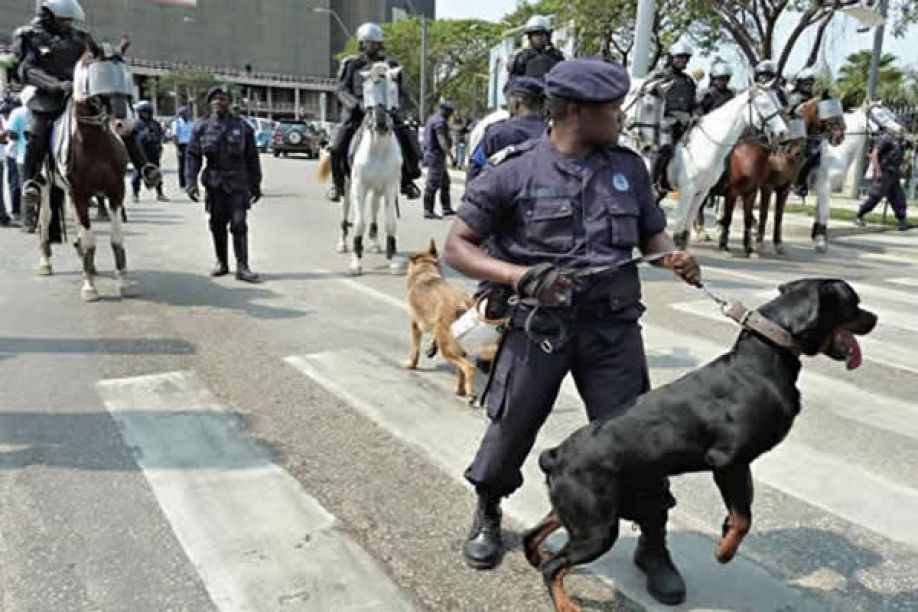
x=766, y=75
x=350, y=93
x=438, y=150
x=804, y=83
x=232, y=178
x=571, y=202
x=47, y=51
x=540, y=56
x=679, y=102
x=150, y=135
x=719, y=91
x=886, y=160
x=525, y=102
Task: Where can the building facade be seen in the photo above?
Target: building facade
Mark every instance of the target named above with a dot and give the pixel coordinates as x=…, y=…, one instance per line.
x=278, y=53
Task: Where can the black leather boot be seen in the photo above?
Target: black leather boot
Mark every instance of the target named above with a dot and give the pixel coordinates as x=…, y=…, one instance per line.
x=483, y=547
x=220, y=247
x=445, y=203
x=664, y=583
x=429, y=212
x=241, y=248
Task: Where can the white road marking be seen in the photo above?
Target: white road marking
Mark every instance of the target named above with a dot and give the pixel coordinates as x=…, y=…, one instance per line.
x=257, y=540
x=907, y=281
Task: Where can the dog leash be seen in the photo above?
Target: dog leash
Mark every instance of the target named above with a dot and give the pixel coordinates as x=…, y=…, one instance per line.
x=752, y=320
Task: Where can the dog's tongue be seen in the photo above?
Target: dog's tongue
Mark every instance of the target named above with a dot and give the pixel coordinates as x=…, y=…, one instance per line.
x=847, y=339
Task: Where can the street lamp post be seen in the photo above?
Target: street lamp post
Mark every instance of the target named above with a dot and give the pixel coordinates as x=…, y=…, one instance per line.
x=422, y=103
x=872, y=79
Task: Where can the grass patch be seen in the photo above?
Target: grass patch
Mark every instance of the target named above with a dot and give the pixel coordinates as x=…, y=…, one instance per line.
x=846, y=214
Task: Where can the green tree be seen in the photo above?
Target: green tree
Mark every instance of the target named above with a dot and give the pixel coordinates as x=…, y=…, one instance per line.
x=457, y=59
x=851, y=85
x=192, y=85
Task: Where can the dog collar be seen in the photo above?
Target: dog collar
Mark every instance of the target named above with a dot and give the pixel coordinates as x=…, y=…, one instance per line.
x=755, y=322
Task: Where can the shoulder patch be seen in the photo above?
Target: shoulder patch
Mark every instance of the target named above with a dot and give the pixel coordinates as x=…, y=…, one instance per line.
x=511, y=151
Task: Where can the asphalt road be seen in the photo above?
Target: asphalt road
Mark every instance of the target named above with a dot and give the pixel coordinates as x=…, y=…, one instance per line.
x=211, y=445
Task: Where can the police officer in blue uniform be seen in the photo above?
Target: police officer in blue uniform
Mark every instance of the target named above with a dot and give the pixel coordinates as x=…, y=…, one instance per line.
x=149, y=135
x=438, y=149
x=46, y=52
x=350, y=94
x=525, y=98
x=570, y=200
x=541, y=55
x=232, y=178
x=886, y=159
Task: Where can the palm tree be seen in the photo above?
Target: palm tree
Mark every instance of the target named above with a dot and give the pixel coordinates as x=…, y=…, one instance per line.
x=851, y=86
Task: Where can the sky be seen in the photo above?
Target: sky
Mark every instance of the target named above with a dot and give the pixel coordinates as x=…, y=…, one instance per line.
x=841, y=40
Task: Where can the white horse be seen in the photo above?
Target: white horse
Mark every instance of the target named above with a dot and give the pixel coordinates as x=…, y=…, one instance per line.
x=698, y=161
x=835, y=162
x=376, y=169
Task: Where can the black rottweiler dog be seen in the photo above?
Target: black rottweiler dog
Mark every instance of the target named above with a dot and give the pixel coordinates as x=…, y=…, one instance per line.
x=718, y=418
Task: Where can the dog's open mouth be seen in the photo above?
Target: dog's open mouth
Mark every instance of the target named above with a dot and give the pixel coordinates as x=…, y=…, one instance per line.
x=845, y=347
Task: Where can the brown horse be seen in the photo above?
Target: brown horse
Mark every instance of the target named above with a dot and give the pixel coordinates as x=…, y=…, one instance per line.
x=785, y=164
x=95, y=162
x=747, y=169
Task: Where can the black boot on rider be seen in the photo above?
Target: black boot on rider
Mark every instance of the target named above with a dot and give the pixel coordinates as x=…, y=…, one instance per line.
x=429, y=212
x=410, y=190
x=664, y=583
x=483, y=546
x=336, y=191
x=241, y=247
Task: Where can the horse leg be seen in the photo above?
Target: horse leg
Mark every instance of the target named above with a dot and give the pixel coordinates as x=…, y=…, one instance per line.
x=126, y=287
x=764, y=204
x=780, y=202
x=821, y=221
x=373, y=235
x=359, y=195
x=87, y=248
x=724, y=221
x=391, y=245
x=748, y=221
x=44, y=225
x=345, y=224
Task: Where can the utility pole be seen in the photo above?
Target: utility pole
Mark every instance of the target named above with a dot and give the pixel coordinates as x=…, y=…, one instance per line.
x=872, y=79
x=422, y=103
x=643, y=32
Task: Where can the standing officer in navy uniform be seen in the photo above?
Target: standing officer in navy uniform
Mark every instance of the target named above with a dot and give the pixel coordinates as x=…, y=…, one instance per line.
x=886, y=160
x=350, y=94
x=570, y=199
x=525, y=100
x=438, y=147
x=541, y=55
x=232, y=178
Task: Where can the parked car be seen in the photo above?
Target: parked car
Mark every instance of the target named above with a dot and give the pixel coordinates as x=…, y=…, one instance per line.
x=292, y=136
x=264, y=132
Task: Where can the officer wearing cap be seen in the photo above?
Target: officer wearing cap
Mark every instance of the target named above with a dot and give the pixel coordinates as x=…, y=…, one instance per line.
x=718, y=92
x=571, y=199
x=539, y=57
x=525, y=101
x=679, y=101
x=232, y=178
x=438, y=148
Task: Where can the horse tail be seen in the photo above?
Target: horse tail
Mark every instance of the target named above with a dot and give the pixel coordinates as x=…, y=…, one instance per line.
x=324, y=167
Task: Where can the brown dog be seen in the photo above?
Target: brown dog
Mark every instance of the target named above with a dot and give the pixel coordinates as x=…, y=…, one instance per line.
x=434, y=304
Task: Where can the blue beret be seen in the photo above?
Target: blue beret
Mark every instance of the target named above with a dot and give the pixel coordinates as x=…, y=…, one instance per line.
x=525, y=84
x=587, y=80
x=216, y=90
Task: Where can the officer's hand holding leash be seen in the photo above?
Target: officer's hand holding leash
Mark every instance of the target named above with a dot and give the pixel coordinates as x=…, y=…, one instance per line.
x=684, y=265
x=547, y=283
x=193, y=193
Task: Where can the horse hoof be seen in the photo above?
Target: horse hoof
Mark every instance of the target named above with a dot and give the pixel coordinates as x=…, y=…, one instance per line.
x=702, y=236
x=341, y=248
x=89, y=295
x=820, y=246
x=44, y=269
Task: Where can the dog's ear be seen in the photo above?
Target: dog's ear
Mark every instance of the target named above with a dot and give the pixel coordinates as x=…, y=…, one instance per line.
x=432, y=249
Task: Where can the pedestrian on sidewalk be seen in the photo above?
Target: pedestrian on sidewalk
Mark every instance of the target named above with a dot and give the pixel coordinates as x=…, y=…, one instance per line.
x=232, y=179
x=570, y=199
x=150, y=136
x=438, y=151
x=181, y=133
x=5, y=109
x=885, y=182
x=15, y=154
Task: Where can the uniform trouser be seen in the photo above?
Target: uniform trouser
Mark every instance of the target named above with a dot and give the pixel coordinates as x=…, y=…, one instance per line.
x=152, y=158
x=890, y=187
x=229, y=209
x=437, y=180
x=340, y=148
x=607, y=361
x=180, y=155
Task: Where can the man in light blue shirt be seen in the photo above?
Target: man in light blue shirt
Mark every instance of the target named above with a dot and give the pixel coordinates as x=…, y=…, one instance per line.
x=181, y=131
x=15, y=117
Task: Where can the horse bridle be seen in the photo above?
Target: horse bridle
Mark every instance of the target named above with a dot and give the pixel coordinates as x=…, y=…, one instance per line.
x=761, y=128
